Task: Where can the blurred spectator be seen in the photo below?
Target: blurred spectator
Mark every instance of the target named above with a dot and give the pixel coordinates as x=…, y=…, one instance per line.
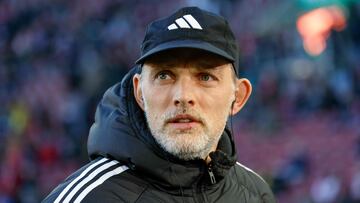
x=357, y=146
x=292, y=172
x=355, y=186
x=326, y=189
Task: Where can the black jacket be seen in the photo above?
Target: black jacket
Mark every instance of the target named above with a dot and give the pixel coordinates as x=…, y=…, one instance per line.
x=129, y=166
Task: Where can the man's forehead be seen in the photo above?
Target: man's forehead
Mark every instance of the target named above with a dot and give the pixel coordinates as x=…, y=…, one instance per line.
x=181, y=56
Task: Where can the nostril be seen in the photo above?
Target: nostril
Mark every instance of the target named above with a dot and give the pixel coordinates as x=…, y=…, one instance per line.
x=181, y=102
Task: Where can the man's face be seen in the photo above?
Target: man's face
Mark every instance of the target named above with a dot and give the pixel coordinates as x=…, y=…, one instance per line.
x=187, y=100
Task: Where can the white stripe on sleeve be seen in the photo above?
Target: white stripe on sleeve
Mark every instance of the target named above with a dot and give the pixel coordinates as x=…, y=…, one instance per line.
x=57, y=200
x=88, y=179
x=99, y=182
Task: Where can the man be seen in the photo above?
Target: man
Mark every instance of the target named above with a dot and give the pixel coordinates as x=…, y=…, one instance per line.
x=161, y=135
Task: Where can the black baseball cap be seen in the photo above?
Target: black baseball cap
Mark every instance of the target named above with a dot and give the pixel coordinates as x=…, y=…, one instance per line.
x=191, y=27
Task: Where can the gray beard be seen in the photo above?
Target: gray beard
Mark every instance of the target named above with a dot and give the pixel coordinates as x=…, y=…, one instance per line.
x=190, y=148
x=188, y=151
x=183, y=153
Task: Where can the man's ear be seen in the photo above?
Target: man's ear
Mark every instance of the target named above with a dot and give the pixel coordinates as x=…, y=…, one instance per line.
x=137, y=91
x=242, y=94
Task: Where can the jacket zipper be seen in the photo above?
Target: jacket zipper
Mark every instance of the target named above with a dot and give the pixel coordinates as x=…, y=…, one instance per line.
x=201, y=197
x=212, y=176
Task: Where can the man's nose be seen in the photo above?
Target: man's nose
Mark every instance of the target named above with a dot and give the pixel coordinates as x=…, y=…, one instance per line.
x=184, y=92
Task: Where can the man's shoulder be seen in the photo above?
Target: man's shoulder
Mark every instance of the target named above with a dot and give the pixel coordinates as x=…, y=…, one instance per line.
x=254, y=182
x=100, y=180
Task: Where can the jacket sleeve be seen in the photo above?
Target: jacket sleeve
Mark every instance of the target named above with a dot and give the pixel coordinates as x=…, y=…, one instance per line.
x=258, y=184
x=267, y=195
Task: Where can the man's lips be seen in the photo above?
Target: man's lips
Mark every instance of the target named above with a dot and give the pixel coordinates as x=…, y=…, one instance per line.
x=183, y=118
x=183, y=121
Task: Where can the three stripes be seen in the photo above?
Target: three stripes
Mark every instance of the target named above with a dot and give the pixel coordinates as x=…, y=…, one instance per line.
x=187, y=21
x=93, y=176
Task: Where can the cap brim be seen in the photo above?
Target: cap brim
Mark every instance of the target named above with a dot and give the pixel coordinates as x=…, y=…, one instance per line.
x=185, y=44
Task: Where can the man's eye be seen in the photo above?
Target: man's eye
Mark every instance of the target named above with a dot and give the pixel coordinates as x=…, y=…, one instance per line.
x=163, y=76
x=206, y=77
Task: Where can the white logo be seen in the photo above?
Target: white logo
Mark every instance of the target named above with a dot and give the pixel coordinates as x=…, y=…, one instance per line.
x=187, y=21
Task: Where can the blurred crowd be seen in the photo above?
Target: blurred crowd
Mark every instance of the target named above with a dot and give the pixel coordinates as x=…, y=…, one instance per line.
x=300, y=129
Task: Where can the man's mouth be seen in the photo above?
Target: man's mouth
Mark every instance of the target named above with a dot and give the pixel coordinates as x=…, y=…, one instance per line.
x=183, y=118
x=183, y=122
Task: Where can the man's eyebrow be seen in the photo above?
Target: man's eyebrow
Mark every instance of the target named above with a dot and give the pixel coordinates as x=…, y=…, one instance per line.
x=210, y=64
x=162, y=66
x=155, y=69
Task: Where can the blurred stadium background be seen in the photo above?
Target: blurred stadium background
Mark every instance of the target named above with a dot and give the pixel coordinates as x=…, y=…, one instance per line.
x=300, y=129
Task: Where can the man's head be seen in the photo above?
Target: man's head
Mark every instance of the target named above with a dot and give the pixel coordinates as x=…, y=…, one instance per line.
x=188, y=93
x=191, y=27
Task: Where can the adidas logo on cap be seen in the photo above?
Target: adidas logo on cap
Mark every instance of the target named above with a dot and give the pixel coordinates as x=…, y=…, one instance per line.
x=187, y=21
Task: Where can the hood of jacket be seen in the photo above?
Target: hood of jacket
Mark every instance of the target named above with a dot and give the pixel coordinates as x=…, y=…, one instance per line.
x=120, y=131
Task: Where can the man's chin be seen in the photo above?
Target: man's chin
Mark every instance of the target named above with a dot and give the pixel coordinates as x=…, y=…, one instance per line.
x=186, y=148
x=173, y=132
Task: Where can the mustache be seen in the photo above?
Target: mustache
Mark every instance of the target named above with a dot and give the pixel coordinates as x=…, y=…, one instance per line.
x=168, y=116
